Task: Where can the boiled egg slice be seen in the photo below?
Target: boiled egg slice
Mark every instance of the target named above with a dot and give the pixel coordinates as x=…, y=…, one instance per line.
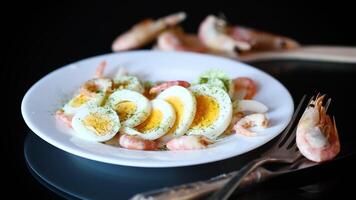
x=160, y=121
x=214, y=111
x=129, y=83
x=184, y=104
x=96, y=123
x=132, y=107
x=91, y=92
x=81, y=100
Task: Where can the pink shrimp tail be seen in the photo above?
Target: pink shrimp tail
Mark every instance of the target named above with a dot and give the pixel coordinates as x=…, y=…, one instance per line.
x=168, y=84
x=66, y=119
x=190, y=142
x=137, y=143
x=100, y=70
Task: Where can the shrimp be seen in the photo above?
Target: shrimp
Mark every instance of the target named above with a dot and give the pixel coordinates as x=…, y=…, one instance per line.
x=99, y=72
x=235, y=118
x=245, y=88
x=165, y=85
x=189, y=142
x=251, y=106
x=258, y=119
x=99, y=84
x=145, y=32
x=261, y=41
x=317, y=135
x=66, y=119
x=218, y=36
x=134, y=142
x=213, y=33
x=177, y=40
x=240, y=108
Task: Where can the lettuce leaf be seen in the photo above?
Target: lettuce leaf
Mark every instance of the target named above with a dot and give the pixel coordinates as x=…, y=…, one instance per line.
x=217, y=78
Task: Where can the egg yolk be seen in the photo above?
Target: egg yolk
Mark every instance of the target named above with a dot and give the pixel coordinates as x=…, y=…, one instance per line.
x=179, y=108
x=122, y=85
x=100, y=123
x=125, y=109
x=79, y=100
x=152, y=122
x=207, y=111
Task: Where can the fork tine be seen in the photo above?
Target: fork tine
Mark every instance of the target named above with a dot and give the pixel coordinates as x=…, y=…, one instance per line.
x=294, y=117
x=290, y=139
x=294, y=147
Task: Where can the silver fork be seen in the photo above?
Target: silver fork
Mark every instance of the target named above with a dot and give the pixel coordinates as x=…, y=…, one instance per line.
x=283, y=151
x=203, y=188
x=200, y=189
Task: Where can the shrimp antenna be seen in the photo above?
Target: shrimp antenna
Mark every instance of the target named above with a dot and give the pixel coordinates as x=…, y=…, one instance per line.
x=327, y=104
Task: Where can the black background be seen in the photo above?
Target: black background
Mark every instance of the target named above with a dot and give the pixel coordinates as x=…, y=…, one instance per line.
x=40, y=37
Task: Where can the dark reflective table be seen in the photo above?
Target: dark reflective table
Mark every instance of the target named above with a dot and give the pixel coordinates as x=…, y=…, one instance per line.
x=72, y=177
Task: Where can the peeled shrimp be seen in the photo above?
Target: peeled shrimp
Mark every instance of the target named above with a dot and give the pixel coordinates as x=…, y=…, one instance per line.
x=99, y=72
x=165, y=85
x=66, y=119
x=145, y=32
x=213, y=33
x=243, y=125
x=250, y=106
x=261, y=40
x=245, y=88
x=218, y=36
x=189, y=142
x=134, y=142
x=317, y=135
x=177, y=40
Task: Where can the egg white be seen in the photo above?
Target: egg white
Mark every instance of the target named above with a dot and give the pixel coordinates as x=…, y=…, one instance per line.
x=70, y=108
x=143, y=105
x=223, y=119
x=129, y=83
x=89, y=133
x=188, y=108
x=164, y=126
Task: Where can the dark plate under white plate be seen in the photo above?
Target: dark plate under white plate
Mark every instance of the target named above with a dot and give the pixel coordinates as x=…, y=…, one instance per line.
x=87, y=179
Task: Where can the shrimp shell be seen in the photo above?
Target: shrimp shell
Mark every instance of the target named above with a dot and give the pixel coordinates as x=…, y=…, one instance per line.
x=137, y=143
x=177, y=40
x=145, y=32
x=258, y=119
x=317, y=135
x=190, y=142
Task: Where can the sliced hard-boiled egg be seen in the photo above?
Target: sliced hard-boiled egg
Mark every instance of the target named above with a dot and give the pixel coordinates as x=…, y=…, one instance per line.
x=132, y=107
x=128, y=82
x=96, y=123
x=184, y=104
x=214, y=111
x=91, y=92
x=160, y=121
x=81, y=100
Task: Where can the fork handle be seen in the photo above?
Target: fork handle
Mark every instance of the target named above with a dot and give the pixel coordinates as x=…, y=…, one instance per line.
x=197, y=190
x=225, y=192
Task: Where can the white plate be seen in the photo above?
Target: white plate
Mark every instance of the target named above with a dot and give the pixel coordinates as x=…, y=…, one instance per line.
x=49, y=93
